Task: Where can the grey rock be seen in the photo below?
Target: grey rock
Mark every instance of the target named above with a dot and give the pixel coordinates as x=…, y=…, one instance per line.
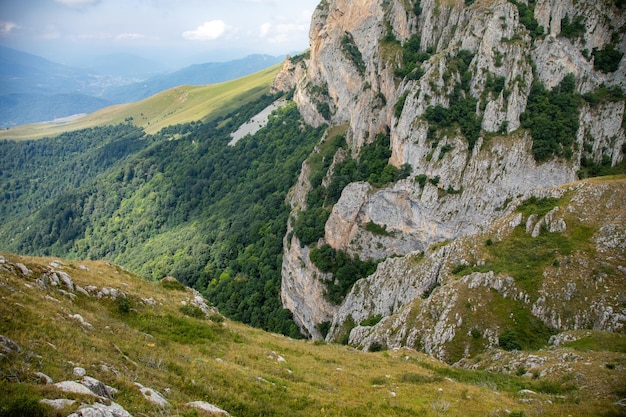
x=58, y=404
x=23, y=269
x=66, y=280
x=101, y=410
x=98, y=387
x=8, y=346
x=75, y=388
x=44, y=378
x=152, y=395
x=202, y=405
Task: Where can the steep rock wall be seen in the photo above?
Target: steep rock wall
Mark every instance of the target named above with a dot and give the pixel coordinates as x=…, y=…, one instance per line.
x=466, y=190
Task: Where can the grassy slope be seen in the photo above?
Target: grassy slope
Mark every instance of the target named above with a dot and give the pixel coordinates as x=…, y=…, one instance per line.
x=177, y=105
x=230, y=365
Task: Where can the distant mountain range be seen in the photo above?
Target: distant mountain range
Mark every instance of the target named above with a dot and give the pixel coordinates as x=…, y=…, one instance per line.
x=199, y=74
x=34, y=89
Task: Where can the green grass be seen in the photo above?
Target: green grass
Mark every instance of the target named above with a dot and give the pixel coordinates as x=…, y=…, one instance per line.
x=501, y=382
x=600, y=342
x=523, y=257
x=177, y=105
x=537, y=206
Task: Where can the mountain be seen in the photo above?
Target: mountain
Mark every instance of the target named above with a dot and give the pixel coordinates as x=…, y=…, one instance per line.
x=89, y=338
x=199, y=74
x=23, y=73
x=177, y=105
x=127, y=66
x=483, y=111
x=33, y=89
x=429, y=186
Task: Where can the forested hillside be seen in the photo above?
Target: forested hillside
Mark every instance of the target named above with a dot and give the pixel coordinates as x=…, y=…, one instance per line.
x=181, y=202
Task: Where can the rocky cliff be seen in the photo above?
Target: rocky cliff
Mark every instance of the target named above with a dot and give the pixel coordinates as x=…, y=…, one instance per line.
x=404, y=69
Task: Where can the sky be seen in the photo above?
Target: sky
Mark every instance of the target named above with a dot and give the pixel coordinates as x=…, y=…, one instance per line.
x=173, y=32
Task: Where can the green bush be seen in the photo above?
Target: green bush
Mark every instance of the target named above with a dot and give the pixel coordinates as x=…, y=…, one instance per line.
x=376, y=346
x=309, y=227
x=462, y=109
x=192, y=310
x=412, y=57
x=123, y=305
x=527, y=18
x=417, y=7
x=607, y=59
x=508, y=340
x=399, y=106
x=377, y=229
x=574, y=29
x=421, y=179
x=323, y=328
x=372, y=320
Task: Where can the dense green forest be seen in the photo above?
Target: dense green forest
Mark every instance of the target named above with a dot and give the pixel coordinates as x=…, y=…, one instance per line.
x=32, y=172
x=179, y=203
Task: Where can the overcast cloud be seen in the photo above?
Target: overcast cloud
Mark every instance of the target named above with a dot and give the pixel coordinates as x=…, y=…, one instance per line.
x=176, y=32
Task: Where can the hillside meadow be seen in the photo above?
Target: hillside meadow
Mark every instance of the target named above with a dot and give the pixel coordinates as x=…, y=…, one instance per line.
x=132, y=331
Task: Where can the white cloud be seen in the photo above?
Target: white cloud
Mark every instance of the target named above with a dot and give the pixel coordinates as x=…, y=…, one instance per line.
x=7, y=27
x=77, y=3
x=265, y=29
x=208, y=31
x=284, y=32
x=129, y=36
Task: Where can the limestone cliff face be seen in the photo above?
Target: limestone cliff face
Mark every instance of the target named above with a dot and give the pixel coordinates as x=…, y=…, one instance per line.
x=435, y=310
x=349, y=78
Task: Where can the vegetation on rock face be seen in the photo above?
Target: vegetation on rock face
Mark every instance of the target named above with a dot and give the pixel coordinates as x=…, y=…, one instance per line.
x=573, y=29
x=412, y=57
x=371, y=166
x=352, y=52
x=345, y=271
x=607, y=59
x=462, y=107
x=527, y=17
x=552, y=117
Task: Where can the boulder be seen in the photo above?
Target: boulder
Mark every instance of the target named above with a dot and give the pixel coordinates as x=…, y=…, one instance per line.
x=101, y=410
x=98, y=387
x=154, y=396
x=75, y=388
x=202, y=405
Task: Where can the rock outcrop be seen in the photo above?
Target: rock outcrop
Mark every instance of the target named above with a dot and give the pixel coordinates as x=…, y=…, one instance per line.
x=350, y=76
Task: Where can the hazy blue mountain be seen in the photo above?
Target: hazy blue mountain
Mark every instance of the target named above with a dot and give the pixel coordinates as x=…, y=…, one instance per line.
x=34, y=89
x=21, y=73
x=125, y=65
x=16, y=109
x=199, y=74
